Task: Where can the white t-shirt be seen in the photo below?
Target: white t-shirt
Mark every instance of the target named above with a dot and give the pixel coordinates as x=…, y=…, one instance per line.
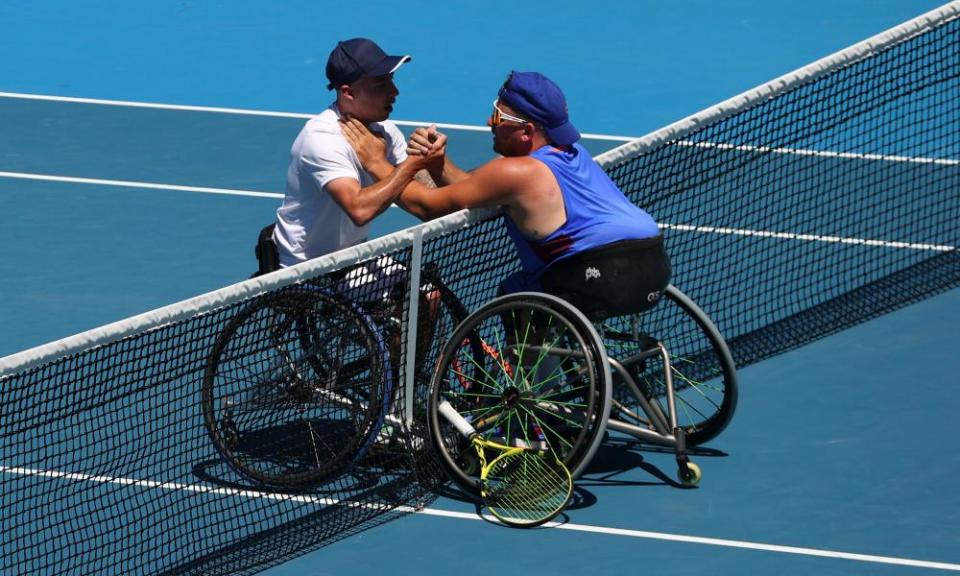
x=310, y=223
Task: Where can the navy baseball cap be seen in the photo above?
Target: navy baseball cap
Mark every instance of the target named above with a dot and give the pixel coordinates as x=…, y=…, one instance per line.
x=359, y=58
x=537, y=97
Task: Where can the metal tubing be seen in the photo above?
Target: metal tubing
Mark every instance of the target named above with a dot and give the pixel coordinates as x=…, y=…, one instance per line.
x=643, y=434
x=668, y=377
x=653, y=412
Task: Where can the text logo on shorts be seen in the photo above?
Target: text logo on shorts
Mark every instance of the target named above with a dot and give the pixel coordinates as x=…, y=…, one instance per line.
x=591, y=274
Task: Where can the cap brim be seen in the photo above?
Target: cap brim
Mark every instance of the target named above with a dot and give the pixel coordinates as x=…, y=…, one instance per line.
x=563, y=135
x=388, y=65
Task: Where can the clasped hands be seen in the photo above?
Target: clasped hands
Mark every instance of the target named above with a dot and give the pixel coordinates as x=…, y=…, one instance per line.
x=426, y=149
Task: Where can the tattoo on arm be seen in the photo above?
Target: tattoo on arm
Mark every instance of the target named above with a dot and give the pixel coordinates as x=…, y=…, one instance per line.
x=424, y=178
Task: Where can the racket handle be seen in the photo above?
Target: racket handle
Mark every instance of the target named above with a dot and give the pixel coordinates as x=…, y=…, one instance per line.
x=458, y=421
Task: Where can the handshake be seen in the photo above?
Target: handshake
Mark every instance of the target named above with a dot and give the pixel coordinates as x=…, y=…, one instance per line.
x=426, y=151
x=427, y=147
x=425, y=141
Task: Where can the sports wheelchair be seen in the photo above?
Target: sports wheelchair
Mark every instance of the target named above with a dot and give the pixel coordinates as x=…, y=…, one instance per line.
x=549, y=378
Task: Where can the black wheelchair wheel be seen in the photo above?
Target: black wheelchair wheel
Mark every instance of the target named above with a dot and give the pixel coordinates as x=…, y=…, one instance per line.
x=704, y=375
x=441, y=311
x=294, y=388
x=542, y=380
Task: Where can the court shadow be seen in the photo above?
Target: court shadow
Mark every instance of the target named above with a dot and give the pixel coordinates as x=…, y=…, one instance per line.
x=218, y=473
x=280, y=541
x=614, y=458
x=259, y=525
x=913, y=283
x=561, y=518
x=450, y=491
x=617, y=456
x=581, y=498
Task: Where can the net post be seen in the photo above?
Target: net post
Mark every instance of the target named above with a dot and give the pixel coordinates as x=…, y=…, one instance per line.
x=413, y=305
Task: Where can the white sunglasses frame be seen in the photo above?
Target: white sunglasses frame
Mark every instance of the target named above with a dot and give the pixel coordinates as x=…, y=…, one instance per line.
x=504, y=116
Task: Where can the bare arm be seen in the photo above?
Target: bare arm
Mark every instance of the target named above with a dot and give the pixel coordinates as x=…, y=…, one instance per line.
x=451, y=172
x=500, y=182
x=370, y=150
x=364, y=204
x=496, y=183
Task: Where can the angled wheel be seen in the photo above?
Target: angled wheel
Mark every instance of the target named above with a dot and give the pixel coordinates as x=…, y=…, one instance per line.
x=542, y=381
x=704, y=375
x=295, y=388
x=689, y=474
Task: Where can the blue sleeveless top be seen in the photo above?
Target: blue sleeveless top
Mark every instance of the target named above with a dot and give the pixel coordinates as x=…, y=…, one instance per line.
x=597, y=211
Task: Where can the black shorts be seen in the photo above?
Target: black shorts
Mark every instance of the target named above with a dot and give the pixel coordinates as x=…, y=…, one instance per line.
x=624, y=277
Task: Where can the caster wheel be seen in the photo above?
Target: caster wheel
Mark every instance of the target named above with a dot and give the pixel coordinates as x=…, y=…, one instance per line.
x=689, y=475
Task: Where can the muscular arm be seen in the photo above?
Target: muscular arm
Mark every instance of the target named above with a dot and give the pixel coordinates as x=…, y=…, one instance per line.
x=451, y=173
x=496, y=183
x=421, y=180
x=364, y=204
x=515, y=183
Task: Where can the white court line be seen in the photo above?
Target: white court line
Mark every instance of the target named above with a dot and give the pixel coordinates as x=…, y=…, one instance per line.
x=733, y=231
x=680, y=227
x=130, y=104
x=471, y=516
x=472, y=128
x=809, y=237
x=131, y=184
x=821, y=153
x=248, y=112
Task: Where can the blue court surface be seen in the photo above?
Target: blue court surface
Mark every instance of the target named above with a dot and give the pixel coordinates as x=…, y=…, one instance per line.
x=142, y=147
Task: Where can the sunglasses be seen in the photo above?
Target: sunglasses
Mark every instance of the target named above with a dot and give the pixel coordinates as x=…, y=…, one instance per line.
x=499, y=116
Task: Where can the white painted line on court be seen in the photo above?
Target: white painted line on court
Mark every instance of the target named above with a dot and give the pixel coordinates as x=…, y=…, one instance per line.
x=809, y=237
x=643, y=534
x=473, y=128
x=820, y=153
x=249, y=112
x=762, y=547
x=131, y=184
x=668, y=226
x=153, y=105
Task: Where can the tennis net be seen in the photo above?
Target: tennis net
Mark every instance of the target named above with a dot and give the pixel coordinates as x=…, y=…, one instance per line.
x=810, y=204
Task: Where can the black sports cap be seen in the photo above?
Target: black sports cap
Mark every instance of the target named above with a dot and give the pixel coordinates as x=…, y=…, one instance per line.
x=359, y=58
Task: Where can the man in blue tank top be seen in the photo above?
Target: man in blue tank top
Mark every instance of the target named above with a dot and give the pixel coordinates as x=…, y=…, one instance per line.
x=576, y=233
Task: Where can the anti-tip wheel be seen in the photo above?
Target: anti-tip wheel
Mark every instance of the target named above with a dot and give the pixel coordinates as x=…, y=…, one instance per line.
x=690, y=474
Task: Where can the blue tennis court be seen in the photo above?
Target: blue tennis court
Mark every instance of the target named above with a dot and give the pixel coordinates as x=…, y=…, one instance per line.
x=145, y=146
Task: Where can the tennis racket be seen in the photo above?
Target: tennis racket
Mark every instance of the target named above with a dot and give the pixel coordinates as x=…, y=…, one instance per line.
x=522, y=487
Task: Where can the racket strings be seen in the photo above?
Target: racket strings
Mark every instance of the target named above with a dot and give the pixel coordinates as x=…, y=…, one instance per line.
x=527, y=487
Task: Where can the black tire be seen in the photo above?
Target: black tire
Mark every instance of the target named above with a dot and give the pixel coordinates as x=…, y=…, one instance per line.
x=448, y=313
x=704, y=375
x=295, y=387
x=563, y=404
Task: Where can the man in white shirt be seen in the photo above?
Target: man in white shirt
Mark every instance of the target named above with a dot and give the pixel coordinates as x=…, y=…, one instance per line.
x=330, y=199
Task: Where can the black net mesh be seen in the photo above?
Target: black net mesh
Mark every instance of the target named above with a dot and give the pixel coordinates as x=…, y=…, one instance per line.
x=795, y=217
x=120, y=460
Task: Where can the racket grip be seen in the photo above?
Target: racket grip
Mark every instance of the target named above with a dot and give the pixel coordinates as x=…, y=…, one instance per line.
x=454, y=418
